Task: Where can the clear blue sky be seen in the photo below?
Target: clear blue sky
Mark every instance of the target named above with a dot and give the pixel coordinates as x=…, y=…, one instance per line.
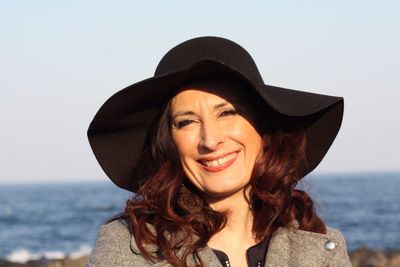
x=60, y=60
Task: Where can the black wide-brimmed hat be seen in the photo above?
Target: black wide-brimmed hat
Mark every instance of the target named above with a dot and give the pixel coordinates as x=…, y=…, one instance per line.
x=118, y=130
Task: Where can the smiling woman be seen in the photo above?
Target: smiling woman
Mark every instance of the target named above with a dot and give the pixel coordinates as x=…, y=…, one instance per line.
x=214, y=156
x=216, y=144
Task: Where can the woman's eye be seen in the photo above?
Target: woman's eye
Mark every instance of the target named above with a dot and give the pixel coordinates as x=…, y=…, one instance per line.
x=229, y=112
x=181, y=124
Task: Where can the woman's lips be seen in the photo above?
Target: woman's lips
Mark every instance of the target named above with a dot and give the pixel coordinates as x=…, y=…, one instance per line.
x=218, y=164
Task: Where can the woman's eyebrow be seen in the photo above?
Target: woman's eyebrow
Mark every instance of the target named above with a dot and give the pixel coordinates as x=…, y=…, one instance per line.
x=182, y=113
x=221, y=105
x=235, y=104
x=216, y=107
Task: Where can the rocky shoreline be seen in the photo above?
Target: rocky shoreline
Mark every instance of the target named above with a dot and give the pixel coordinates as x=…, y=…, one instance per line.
x=365, y=257
x=362, y=257
x=65, y=262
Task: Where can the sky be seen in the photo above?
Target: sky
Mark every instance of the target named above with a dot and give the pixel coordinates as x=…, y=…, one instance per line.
x=60, y=60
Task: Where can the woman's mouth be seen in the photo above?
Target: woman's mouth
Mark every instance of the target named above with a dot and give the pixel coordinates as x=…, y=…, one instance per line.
x=218, y=164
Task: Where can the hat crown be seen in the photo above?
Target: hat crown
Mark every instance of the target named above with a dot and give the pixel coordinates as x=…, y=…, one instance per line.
x=209, y=48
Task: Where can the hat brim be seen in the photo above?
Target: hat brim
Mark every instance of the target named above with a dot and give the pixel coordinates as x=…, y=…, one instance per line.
x=118, y=130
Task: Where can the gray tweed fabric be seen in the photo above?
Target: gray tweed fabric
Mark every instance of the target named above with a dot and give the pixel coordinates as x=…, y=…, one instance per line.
x=115, y=246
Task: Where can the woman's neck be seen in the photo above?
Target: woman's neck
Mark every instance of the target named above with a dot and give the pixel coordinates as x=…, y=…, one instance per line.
x=237, y=236
x=239, y=219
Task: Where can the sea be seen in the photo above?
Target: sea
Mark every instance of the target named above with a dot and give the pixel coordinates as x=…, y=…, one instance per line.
x=55, y=219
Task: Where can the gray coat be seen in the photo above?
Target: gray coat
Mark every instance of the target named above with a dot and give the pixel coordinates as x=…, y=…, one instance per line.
x=115, y=246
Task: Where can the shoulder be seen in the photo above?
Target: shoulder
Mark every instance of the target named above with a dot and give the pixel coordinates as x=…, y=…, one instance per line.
x=117, y=231
x=332, y=236
x=113, y=247
x=293, y=247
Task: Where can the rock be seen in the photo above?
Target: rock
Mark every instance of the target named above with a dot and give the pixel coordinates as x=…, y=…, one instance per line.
x=376, y=259
x=66, y=262
x=365, y=257
x=358, y=256
x=395, y=261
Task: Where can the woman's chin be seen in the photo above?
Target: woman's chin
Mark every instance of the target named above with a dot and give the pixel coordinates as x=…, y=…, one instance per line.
x=218, y=194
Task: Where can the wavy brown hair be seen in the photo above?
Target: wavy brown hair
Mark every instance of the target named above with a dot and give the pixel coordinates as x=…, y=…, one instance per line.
x=180, y=232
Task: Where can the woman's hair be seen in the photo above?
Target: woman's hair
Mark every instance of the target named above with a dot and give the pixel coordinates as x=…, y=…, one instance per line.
x=183, y=222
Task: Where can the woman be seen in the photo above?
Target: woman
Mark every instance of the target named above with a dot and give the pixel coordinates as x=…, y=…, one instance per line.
x=214, y=156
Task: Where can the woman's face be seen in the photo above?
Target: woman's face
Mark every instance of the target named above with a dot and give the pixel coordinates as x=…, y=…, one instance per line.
x=213, y=130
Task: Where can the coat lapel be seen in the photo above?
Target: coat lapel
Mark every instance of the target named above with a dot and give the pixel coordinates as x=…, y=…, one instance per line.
x=293, y=247
x=206, y=254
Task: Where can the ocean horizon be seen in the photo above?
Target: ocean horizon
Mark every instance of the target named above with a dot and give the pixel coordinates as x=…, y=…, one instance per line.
x=55, y=219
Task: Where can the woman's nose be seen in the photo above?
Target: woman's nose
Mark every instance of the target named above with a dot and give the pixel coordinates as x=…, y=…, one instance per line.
x=211, y=136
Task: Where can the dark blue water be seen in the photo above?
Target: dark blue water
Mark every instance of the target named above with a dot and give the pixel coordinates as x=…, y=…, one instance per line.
x=65, y=217
x=55, y=217
x=365, y=207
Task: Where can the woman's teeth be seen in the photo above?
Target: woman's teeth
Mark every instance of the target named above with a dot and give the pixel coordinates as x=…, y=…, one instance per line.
x=218, y=162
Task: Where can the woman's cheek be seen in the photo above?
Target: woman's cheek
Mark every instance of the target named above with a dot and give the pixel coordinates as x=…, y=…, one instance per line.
x=185, y=142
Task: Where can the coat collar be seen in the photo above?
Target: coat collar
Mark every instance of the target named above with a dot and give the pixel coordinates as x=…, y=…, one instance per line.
x=294, y=247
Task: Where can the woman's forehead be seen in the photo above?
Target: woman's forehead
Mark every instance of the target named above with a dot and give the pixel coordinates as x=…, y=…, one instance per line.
x=212, y=90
